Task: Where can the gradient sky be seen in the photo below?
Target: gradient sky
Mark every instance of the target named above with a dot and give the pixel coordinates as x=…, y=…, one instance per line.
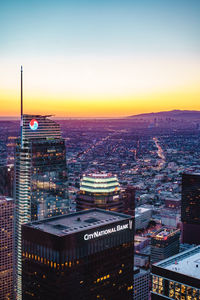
x=99, y=58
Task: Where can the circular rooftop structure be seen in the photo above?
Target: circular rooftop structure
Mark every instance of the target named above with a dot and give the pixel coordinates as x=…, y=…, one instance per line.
x=99, y=183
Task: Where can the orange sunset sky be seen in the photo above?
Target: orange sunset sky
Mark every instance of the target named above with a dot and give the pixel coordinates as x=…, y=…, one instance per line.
x=82, y=59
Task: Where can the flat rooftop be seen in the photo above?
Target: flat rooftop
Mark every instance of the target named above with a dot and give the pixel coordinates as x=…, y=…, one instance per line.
x=78, y=221
x=164, y=233
x=139, y=238
x=173, y=199
x=187, y=263
x=5, y=198
x=140, y=210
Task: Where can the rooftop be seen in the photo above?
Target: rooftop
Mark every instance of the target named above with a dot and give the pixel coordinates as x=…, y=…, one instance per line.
x=100, y=175
x=5, y=199
x=138, y=272
x=79, y=221
x=164, y=233
x=140, y=210
x=187, y=263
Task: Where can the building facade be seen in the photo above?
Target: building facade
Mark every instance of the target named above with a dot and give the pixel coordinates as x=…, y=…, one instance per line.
x=6, y=247
x=102, y=190
x=164, y=243
x=128, y=199
x=99, y=190
x=141, y=284
x=84, y=255
x=190, y=208
x=177, y=277
x=143, y=216
x=170, y=217
x=40, y=177
x=6, y=180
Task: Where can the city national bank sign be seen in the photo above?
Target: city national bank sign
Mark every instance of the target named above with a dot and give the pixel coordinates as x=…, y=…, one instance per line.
x=117, y=228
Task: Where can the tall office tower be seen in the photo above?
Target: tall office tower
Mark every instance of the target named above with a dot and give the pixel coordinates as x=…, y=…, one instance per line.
x=190, y=208
x=164, y=243
x=40, y=176
x=100, y=190
x=177, y=277
x=6, y=180
x=3, y=156
x=86, y=255
x=128, y=199
x=3, y=180
x=6, y=247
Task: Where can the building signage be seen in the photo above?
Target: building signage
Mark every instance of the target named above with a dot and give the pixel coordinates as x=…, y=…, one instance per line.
x=33, y=124
x=117, y=228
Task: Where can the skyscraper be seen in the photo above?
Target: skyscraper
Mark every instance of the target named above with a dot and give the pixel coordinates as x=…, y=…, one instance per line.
x=86, y=255
x=102, y=190
x=128, y=199
x=177, y=277
x=190, y=208
x=6, y=247
x=40, y=175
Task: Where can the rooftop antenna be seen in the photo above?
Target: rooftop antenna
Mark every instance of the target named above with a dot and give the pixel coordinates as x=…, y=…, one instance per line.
x=21, y=92
x=21, y=124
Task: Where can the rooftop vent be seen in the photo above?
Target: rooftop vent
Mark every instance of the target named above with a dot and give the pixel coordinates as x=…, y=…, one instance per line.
x=60, y=226
x=91, y=220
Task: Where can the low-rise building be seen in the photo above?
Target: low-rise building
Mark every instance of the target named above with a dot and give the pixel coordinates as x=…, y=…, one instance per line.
x=142, y=217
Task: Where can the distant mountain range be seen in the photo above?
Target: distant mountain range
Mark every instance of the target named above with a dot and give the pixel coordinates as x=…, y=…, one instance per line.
x=173, y=114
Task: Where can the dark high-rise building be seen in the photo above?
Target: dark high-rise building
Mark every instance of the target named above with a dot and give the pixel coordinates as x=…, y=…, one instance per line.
x=84, y=255
x=164, y=243
x=128, y=200
x=177, y=277
x=40, y=176
x=6, y=248
x=190, y=208
x=6, y=180
x=102, y=190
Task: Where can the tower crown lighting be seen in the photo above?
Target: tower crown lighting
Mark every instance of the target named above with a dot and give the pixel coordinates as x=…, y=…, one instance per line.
x=99, y=183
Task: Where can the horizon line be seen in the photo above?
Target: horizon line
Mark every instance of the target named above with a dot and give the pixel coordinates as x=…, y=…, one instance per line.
x=16, y=118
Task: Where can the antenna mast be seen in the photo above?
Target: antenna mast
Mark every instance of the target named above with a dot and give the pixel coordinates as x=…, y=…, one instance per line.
x=21, y=124
x=21, y=92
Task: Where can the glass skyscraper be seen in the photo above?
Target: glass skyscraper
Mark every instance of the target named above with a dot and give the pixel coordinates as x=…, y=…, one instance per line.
x=86, y=255
x=190, y=208
x=40, y=177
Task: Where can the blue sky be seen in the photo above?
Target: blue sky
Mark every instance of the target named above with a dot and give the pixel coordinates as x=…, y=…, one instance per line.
x=60, y=27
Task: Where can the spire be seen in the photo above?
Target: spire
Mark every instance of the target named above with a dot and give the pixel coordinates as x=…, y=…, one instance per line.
x=21, y=123
x=21, y=92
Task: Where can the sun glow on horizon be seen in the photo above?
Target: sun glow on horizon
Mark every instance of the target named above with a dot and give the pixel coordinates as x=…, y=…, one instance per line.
x=81, y=86
x=99, y=58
